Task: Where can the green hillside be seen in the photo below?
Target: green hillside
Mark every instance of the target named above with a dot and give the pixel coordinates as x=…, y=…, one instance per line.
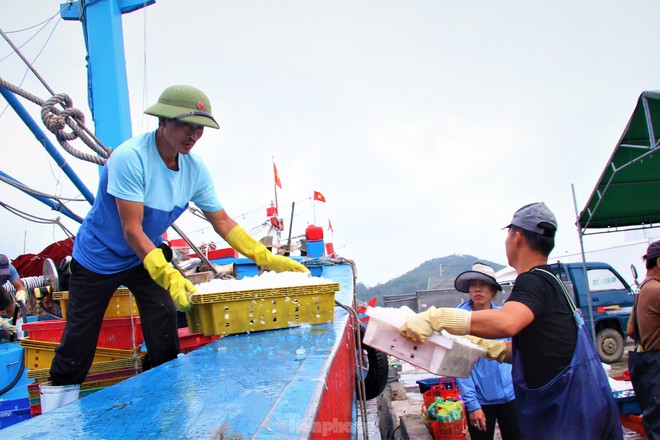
x=439, y=271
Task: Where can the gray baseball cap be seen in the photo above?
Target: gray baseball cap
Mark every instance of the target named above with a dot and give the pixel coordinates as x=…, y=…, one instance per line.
x=4, y=265
x=530, y=217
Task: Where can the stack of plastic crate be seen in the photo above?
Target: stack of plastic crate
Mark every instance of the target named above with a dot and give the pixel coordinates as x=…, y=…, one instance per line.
x=118, y=352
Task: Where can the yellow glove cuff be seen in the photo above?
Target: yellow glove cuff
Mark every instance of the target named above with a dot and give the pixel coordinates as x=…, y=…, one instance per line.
x=455, y=321
x=248, y=246
x=257, y=252
x=495, y=350
x=157, y=266
x=21, y=296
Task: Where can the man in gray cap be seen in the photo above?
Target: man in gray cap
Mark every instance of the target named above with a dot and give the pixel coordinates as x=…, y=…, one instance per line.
x=560, y=385
x=144, y=187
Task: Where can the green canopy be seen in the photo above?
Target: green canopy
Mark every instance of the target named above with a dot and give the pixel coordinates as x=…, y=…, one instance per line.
x=627, y=194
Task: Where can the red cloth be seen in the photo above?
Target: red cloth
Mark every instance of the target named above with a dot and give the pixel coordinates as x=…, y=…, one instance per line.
x=31, y=265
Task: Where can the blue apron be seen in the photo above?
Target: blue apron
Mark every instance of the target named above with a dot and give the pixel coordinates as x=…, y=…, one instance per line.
x=576, y=404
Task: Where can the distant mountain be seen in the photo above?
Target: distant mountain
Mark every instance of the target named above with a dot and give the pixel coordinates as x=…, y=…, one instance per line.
x=438, y=273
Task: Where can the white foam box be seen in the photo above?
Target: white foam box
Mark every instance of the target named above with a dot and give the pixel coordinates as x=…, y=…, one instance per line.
x=441, y=354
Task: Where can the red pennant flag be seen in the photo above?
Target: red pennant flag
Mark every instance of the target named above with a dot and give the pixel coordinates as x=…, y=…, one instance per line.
x=330, y=226
x=318, y=196
x=277, y=176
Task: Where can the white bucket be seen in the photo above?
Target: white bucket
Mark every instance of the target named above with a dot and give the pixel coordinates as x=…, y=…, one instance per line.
x=52, y=397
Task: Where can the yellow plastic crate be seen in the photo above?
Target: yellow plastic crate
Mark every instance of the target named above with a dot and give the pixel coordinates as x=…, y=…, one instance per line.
x=39, y=354
x=43, y=375
x=227, y=313
x=117, y=307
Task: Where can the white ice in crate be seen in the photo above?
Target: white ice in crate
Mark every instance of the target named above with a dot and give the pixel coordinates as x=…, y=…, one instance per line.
x=266, y=280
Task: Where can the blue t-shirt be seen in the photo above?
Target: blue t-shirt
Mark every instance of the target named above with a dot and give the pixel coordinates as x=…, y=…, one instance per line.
x=136, y=172
x=490, y=382
x=12, y=276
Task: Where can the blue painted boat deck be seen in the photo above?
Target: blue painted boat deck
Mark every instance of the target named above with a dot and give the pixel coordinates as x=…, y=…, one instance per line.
x=240, y=386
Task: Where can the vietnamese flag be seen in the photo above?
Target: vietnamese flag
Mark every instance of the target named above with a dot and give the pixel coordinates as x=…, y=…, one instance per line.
x=318, y=196
x=277, y=176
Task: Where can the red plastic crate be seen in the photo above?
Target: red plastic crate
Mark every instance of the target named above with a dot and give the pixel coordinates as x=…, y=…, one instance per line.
x=633, y=422
x=448, y=390
x=219, y=253
x=115, y=332
x=191, y=341
x=449, y=430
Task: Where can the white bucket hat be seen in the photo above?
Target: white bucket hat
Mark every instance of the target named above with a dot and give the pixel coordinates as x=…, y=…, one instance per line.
x=481, y=272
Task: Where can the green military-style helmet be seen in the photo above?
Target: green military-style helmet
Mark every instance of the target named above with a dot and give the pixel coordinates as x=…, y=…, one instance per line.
x=186, y=104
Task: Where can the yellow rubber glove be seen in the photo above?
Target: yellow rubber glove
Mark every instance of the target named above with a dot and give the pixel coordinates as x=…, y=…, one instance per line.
x=257, y=252
x=21, y=296
x=169, y=279
x=420, y=326
x=495, y=350
x=7, y=327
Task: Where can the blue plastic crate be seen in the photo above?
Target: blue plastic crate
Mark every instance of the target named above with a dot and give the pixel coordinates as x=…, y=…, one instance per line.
x=14, y=404
x=627, y=402
x=316, y=248
x=426, y=384
x=8, y=418
x=13, y=411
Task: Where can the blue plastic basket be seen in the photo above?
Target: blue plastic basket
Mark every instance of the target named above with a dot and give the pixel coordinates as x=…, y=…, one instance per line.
x=627, y=403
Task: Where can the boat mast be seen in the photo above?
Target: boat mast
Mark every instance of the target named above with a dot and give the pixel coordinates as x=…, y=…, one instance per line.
x=106, y=64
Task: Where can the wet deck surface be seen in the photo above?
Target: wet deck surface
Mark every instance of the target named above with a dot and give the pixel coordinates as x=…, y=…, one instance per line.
x=252, y=387
x=241, y=386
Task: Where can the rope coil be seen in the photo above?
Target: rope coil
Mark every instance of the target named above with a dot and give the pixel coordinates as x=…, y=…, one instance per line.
x=56, y=120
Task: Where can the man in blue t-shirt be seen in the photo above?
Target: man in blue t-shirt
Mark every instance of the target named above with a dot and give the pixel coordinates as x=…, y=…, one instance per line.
x=144, y=187
x=7, y=300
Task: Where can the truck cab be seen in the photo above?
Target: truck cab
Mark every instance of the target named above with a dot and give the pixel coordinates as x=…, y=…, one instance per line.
x=611, y=300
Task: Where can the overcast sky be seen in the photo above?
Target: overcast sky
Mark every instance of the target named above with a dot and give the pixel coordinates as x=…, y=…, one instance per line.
x=425, y=124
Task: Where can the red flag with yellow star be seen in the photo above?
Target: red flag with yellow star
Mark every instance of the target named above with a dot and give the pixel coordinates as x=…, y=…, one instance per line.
x=318, y=197
x=277, y=176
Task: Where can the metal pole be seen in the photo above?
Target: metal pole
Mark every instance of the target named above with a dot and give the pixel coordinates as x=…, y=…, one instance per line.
x=199, y=253
x=584, y=265
x=288, y=244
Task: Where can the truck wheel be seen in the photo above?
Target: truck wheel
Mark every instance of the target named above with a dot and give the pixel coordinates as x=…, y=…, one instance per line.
x=610, y=345
x=375, y=370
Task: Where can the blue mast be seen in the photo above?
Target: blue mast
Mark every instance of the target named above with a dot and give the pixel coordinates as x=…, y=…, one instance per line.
x=106, y=66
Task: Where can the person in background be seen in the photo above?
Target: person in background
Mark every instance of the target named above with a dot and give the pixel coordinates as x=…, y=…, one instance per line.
x=562, y=390
x=488, y=391
x=644, y=328
x=7, y=300
x=146, y=184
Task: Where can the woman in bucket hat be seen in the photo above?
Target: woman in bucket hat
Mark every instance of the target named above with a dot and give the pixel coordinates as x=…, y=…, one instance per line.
x=488, y=391
x=144, y=187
